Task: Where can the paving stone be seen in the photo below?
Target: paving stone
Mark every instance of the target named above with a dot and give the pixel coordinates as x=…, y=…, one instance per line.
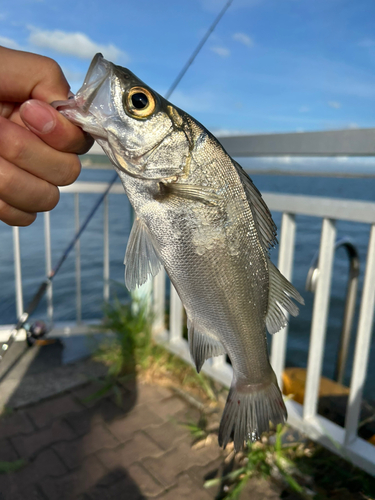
x=147, y=393
x=104, y=411
x=75, y=483
x=132, y=451
x=168, y=434
x=7, y=452
x=29, y=493
x=72, y=452
x=259, y=489
x=81, y=394
x=85, y=396
x=47, y=463
x=138, y=419
x=16, y=423
x=170, y=407
x=167, y=467
x=200, y=474
x=28, y=446
x=45, y=412
x=186, y=489
x=147, y=484
x=124, y=489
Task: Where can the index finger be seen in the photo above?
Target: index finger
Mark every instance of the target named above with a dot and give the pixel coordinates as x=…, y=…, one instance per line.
x=24, y=76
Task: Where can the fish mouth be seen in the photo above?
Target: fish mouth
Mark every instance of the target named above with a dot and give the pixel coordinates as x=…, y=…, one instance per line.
x=77, y=107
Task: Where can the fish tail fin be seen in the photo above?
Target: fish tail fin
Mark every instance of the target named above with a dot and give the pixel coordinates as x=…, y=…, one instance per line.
x=248, y=412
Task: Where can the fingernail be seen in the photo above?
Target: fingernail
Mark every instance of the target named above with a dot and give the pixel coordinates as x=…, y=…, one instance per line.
x=38, y=116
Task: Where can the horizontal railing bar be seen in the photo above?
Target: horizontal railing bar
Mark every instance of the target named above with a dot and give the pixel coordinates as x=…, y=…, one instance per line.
x=284, y=171
x=317, y=206
x=92, y=187
x=358, y=142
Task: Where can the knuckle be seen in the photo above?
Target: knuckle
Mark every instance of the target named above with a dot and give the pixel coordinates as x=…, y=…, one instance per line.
x=15, y=217
x=8, y=180
x=15, y=149
x=51, y=67
x=71, y=171
x=51, y=198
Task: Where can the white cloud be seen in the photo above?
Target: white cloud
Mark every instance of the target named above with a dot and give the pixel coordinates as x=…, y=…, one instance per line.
x=221, y=51
x=334, y=104
x=9, y=43
x=304, y=109
x=225, y=132
x=244, y=39
x=75, y=44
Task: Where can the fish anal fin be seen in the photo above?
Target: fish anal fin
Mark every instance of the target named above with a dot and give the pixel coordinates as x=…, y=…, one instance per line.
x=202, y=346
x=281, y=291
x=141, y=259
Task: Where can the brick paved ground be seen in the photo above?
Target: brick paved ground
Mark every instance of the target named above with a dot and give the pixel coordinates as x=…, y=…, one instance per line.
x=88, y=451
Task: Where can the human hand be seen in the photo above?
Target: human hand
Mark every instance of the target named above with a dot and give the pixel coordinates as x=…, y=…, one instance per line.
x=38, y=146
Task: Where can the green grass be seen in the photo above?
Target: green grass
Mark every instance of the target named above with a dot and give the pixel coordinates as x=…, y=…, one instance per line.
x=130, y=351
x=7, y=467
x=268, y=458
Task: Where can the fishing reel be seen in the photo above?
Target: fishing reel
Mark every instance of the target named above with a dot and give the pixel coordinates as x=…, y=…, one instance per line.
x=35, y=332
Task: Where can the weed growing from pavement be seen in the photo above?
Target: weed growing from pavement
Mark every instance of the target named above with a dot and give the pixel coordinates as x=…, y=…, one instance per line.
x=8, y=467
x=304, y=469
x=129, y=351
x=268, y=458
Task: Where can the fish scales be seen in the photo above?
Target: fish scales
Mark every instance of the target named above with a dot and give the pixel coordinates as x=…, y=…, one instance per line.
x=199, y=215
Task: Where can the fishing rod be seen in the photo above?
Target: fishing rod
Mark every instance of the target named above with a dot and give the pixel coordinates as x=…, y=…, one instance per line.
x=190, y=61
x=48, y=280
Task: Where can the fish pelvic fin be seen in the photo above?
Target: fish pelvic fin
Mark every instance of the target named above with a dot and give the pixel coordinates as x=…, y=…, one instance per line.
x=279, y=300
x=202, y=346
x=248, y=412
x=141, y=259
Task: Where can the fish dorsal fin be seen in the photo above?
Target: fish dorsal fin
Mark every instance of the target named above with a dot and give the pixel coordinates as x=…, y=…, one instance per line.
x=262, y=215
x=279, y=300
x=141, y=259
x=202, y=346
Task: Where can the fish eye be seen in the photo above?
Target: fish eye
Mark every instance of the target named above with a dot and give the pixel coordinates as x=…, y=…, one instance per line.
x=139, y=102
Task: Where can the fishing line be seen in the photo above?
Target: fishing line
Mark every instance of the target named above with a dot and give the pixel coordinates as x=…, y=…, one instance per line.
x=197, y=50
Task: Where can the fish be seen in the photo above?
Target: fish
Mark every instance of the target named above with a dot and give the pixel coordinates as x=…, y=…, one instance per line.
x=199, y=215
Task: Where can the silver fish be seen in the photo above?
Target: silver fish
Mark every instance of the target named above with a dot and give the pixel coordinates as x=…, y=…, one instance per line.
x=200, y=216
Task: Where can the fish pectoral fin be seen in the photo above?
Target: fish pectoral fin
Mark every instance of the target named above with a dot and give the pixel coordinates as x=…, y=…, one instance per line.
x=141, y=259
x=279, y=300
x=191, y=192
x=202, y=346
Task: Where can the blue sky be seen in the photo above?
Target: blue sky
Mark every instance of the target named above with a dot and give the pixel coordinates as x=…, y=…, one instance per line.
x=269, y=66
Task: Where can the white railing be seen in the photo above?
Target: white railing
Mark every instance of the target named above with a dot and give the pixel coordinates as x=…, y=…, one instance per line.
x=343, y=441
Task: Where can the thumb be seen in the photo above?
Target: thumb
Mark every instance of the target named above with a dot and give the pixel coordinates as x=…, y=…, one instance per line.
x=53, y=128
